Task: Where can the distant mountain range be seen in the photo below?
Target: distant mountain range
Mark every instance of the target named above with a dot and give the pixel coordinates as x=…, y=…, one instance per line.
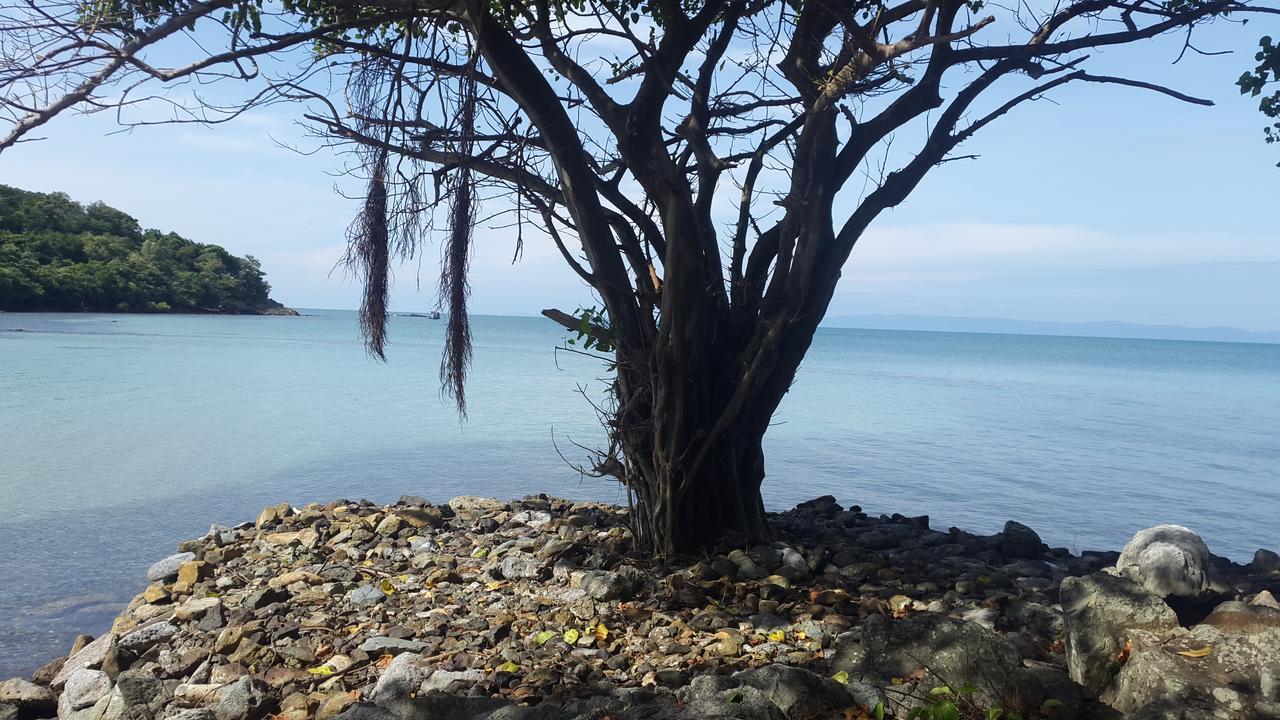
x=941, y=323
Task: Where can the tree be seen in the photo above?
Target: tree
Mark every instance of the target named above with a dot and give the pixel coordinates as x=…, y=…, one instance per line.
x=624, y=128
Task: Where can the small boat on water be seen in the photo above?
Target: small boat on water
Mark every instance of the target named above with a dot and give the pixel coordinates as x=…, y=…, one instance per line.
x=433, y=315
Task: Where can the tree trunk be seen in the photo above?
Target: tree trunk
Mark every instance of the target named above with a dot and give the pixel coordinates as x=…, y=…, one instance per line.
x=694, y=476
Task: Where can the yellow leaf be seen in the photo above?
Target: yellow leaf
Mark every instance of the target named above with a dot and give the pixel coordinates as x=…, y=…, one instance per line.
x=800, y=635
x=321, y=670
x=493, y=585
x=571, y=635
x=777, y=636
x=841, y=677
x=1197, y=653
x=480, y=552
x=778, y=580
x=508, y=667
x=387, y=587
x=542, y=637
x=368, y=563
x=602, y=632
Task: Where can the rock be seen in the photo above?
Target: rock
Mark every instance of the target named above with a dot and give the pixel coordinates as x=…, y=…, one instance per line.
x=942, y=649
x=1100, y=613
x=263, y=597
x=8, y=712
x=1168, y=560
x=193, y=571
x=191, y=714
x=84, y=688
x=389, y=645
x=799, y=693
x=793, y=565
x=167, y=568
x=450, y=680
x=1265, y=562
x=520, y=566
x=399, y=682
x=143, y=693
x=92, y=656
x=430, y=517
x=244, y=699
x=195, y=607
x=603, y=585
x=273, y=514
x=141, y=639
x=389, y=526
x=1019, y=541
x=1265, y=599
x=471, y=506
x=27, y=696
x=366, y=595
x=1237, y=618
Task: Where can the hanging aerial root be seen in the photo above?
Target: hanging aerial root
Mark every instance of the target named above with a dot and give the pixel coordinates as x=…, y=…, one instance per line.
x=369, y=252
x=454, y=288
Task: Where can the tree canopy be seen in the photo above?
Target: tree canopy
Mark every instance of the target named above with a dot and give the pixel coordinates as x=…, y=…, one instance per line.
x=705, y=166
x=56, y=254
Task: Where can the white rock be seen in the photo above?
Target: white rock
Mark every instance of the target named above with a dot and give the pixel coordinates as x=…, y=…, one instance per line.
x=85, y=687
x=90, y=655
x=1167, y=560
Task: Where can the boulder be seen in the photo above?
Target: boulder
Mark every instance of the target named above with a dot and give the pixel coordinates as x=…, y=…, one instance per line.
x=520, y=566
x=1019, y=541
x=1168, y=560
x=934, y=650
x=1265, y=562
x=472, y=506
x=799, y=693
x=27, y=696
x=244, y=699
x=92, y=656
x=1199, y=673
x=399, y=682
x=378, y=645
x=84, y=688
x=604, y=585
x=1100, y=611
x=141, y=639
x=167, y=569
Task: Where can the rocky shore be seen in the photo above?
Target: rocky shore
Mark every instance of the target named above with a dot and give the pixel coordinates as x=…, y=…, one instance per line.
x=541, y=609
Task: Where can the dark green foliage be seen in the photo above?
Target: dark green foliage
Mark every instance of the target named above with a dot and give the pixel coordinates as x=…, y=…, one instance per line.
x=1265, y=76
x=56, y=254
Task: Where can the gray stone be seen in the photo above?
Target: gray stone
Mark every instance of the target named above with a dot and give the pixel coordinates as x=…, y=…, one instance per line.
x=1019, y=541
x=1100, y=612
x=384, y=645
x=532, y=518
x=799, y=693
x=84, y=688
x=8, y=712
x=520, y=566
x=141, y=639
x=437, y=706
x=167, y=568
x=366, y=595
x=244, y=699
x=708, y=696
x=604, y=585
x=1167, y=560
x=91, y=656
x=144, y=693
x=793, y=565
x=449, y=680
x=399, y=682
x=26, y=695
x=946, y=650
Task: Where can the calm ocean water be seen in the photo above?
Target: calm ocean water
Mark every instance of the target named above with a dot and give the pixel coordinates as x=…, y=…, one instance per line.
x=121, y=435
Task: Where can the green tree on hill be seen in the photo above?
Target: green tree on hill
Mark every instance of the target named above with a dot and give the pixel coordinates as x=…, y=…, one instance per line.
x=56, y=254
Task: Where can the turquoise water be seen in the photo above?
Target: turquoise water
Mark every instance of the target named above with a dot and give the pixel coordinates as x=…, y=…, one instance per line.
x=120, y=435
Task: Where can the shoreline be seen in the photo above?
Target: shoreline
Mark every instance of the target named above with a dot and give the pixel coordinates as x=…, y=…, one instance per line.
x=545, y=601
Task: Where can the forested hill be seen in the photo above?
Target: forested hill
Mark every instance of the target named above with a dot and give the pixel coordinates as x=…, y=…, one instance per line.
x=56, y=254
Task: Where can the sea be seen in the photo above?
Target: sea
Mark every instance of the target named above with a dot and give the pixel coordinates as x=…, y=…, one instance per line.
x=121, y=435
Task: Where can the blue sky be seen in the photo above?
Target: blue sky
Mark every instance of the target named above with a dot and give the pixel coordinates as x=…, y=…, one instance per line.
x=1106, y=204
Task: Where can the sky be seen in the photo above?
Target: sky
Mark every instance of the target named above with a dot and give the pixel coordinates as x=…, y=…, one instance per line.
x=1103, y=204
